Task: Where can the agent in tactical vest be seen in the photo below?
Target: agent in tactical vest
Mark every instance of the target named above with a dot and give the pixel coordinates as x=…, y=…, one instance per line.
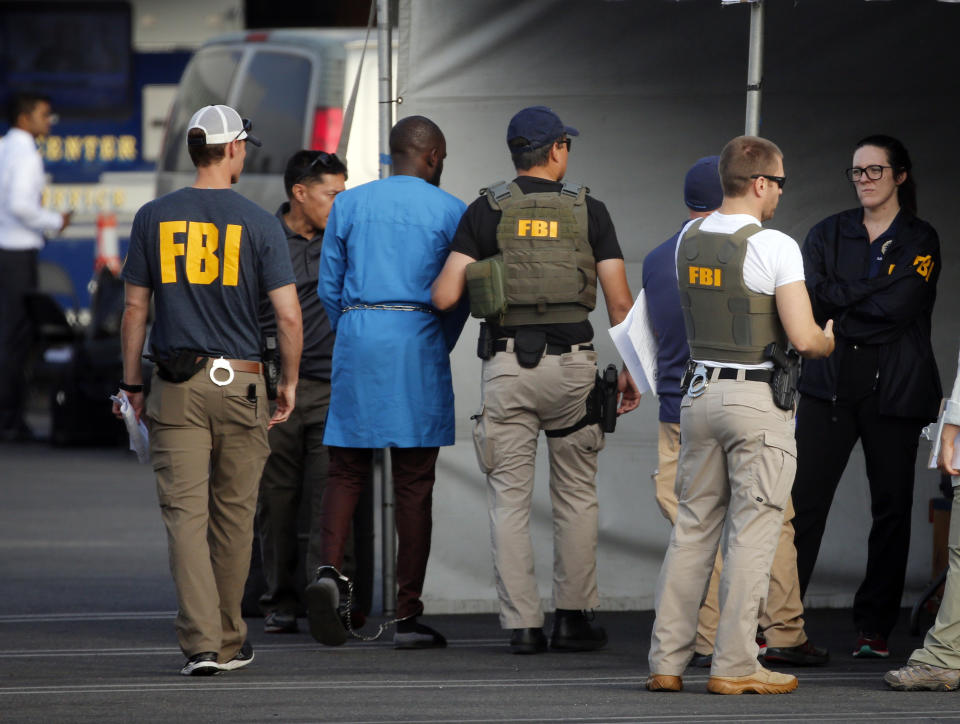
x=532, y=252
x=742, y=289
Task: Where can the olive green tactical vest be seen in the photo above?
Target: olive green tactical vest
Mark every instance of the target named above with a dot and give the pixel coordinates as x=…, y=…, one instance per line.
x=725, y=321
x=545, y=272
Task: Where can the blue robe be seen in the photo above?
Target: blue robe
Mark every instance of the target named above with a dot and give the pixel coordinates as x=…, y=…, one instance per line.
x=385, y=243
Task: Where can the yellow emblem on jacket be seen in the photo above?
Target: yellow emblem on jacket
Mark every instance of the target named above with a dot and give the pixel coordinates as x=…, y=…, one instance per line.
x=705, y=276
x=538, y=228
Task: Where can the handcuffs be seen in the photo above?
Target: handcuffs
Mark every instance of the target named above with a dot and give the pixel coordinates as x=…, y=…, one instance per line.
x=221, y=364
x=695, y=380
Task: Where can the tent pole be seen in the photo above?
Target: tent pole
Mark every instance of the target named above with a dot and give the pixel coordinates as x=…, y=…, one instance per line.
x=754, y=69
x=381, y=457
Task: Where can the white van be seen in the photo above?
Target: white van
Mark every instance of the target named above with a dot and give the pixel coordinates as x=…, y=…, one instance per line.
x=294, y=86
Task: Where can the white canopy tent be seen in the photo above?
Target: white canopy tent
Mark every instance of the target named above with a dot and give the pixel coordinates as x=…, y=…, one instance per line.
x=652, y=86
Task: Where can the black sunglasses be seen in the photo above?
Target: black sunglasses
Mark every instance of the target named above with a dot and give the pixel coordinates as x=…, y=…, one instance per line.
x=568, y=142
x=326, y=160
x=246, y=127
x=780, y=181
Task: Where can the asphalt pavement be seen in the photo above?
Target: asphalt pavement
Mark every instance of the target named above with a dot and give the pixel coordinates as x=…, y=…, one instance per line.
x=86, y=634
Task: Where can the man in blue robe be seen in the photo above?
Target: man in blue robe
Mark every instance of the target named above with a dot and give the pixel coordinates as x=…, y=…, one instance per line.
x=391, y=386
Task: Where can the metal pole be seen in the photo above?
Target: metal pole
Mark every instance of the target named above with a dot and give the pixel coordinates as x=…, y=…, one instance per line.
x=381, y=457
x=754, y=69
x=384, y=62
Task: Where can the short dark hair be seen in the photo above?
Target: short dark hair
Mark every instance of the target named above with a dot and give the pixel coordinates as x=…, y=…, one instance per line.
x=206, y=154
x=743, y=157
x=899, y=158
x=525, y=160
x=307, y=167
x=23, y=102
x=413, y=135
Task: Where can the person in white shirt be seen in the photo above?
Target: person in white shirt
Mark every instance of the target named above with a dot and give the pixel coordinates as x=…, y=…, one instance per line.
x=23, y=222
x=741, y=289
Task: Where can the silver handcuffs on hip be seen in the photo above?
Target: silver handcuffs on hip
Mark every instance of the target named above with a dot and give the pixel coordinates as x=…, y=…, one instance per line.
x=221, y=364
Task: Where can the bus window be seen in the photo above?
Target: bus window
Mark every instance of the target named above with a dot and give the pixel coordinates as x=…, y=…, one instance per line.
x=274, y=96
x=206, y=81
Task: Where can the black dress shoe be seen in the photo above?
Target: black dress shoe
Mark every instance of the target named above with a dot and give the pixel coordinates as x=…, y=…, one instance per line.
x=806, y=654
x=572, y=631
x=528, y=641
x=701, y=661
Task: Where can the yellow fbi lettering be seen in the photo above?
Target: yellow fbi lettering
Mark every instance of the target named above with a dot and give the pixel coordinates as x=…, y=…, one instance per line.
x=202, y=265
x=705, y=276
x=539, y=228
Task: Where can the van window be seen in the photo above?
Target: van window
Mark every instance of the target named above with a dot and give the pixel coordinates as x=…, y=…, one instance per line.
x=274, y=96
x=206, y=81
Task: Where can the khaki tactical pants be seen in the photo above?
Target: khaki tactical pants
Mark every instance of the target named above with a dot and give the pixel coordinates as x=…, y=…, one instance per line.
x=517, y=404
x=782, y=620
x=208, y=445
x=941, y=647
x=735, y=471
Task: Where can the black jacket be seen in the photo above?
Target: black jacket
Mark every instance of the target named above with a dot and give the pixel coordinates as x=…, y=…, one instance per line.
x=891, y=311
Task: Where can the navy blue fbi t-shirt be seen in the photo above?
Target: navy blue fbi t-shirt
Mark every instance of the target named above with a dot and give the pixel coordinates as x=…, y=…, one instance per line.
x=208, y=255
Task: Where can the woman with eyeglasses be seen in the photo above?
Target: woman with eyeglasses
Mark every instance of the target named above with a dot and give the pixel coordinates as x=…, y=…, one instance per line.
x=873, y=269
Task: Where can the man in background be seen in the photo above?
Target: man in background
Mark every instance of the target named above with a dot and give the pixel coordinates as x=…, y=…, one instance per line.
x=23, y=223
x=296, y=471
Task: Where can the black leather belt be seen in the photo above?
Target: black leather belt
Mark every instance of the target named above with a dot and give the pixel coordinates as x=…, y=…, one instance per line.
x=500, y=345
x=730, y=373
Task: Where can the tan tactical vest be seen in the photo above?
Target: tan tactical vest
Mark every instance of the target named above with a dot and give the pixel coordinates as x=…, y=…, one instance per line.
x=726, y=322
x=545, y=272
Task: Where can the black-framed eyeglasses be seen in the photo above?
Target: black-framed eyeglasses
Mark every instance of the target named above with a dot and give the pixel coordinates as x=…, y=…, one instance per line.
x=780, y=181
x=874, y=172
x=326, y=161
x=247, y=126
x=568, y=142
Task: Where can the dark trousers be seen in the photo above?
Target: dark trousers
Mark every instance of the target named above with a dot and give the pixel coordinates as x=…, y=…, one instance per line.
x=290, y=489
x=826, y=434
x=414, y=472
x=18, y=275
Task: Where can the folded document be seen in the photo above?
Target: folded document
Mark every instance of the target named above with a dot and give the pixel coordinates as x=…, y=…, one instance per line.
x=139, y=439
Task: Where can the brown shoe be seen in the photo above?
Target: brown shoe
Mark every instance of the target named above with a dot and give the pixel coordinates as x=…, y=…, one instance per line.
x=663, y=682
x=762, y=681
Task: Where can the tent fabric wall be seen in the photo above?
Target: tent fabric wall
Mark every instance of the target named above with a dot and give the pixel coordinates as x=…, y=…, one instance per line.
x=652, y=86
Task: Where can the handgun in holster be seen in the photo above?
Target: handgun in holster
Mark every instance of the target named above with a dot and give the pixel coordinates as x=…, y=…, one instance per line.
x=271, y=365
x=786, y=375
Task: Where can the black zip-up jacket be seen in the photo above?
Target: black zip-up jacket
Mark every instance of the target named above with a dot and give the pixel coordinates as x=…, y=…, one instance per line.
x=891, y=311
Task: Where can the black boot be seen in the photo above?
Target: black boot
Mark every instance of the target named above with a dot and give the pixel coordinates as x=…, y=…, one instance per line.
x=572, y=631
x=528, y=641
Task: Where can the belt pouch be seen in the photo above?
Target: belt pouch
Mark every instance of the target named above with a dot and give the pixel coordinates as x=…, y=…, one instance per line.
x=529, y=345
x=180, y=366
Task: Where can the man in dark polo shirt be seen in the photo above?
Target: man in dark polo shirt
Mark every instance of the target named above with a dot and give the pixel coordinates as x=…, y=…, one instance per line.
x=297, y=468
x=556, y=243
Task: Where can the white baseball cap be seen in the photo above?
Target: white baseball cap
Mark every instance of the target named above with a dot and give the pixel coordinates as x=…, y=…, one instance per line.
x=220, y=124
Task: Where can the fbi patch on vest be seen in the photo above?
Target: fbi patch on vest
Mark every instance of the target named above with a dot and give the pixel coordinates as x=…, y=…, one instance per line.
x=705, y=276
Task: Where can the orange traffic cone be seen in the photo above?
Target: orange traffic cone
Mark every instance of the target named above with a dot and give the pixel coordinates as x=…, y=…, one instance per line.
x=108, y=248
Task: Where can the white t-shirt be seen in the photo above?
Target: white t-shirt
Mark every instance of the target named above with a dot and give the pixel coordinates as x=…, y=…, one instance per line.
x=772, y=260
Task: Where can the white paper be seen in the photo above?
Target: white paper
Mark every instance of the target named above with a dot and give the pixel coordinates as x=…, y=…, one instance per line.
x=637, y=345
x=139, y=438
x=934, y=433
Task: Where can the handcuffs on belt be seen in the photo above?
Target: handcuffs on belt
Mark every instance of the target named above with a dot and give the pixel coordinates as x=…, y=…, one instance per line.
x=221, y=364
x=695, y=379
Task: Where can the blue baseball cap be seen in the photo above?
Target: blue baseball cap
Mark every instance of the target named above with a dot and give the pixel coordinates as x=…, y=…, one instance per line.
x=535, y=127
x=701, y=187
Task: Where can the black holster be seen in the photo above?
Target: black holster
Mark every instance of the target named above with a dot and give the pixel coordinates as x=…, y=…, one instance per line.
x=786, y=375
x=271, y=366
x=528, y=346
x=485, y=342
x=601, y=406
x=180, y=366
